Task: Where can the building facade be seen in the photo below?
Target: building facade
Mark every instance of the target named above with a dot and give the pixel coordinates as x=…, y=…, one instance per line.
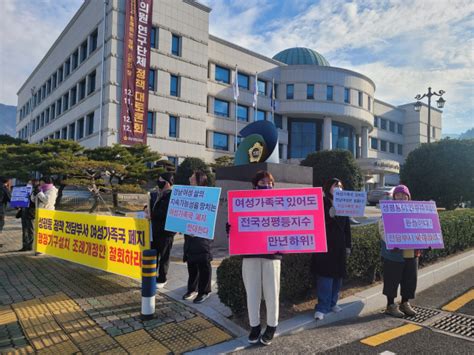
x=75, y=92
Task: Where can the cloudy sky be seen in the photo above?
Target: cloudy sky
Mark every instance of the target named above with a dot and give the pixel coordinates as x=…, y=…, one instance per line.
x=403, y=45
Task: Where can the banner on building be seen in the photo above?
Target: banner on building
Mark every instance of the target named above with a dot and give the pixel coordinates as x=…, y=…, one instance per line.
x=136, y=67
x=109, y=243
x=193, y=210
x=276, y=221
x=411, y=225
x=21, y=197
x=350, y=203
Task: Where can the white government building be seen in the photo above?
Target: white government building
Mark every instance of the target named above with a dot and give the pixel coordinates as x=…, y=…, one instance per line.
x=75, y=92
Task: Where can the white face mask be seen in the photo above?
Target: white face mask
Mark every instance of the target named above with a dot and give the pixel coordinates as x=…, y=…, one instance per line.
x=336, y=189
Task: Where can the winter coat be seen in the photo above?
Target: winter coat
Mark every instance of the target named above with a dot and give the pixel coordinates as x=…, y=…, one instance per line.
x=29, y=212
x=338, y=236
x=196, y=249
x=158, y=217
x=397, y=255
x=5, y=196
x=47, y=199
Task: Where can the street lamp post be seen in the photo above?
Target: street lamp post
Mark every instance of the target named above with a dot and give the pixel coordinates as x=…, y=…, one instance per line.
x=440, y=103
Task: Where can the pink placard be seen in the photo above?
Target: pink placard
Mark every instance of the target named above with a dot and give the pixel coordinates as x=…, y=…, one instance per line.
x=276, y=221
x=411, y=225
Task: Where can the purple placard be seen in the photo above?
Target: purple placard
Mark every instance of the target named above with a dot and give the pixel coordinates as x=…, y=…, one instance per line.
x=411, y=225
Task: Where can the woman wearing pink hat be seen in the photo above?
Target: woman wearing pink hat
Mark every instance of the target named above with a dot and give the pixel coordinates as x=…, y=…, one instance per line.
x=400, y=267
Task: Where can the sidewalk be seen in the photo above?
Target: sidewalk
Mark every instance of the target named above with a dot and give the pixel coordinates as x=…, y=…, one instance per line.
x=54, y=306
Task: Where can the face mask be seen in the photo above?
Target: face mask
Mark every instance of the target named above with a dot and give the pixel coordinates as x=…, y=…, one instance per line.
x=337, y=189
x=161, y=184
x=266, y=187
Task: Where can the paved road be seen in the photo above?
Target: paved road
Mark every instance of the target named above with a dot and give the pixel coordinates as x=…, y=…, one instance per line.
x=345, y=337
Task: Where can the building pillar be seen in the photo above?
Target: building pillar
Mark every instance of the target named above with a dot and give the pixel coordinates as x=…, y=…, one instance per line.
x=284, y=153
x=364, y=142
x=212, y=71
x=357, y=145
x=382, y=179
x=232, y=113
x=210, y=105
x=327, y=133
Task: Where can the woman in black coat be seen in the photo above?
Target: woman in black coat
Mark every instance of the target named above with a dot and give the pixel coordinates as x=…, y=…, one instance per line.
x=330, y=268
x=197, y=253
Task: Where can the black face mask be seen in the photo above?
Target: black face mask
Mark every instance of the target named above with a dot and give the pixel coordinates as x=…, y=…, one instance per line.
x=161, y=184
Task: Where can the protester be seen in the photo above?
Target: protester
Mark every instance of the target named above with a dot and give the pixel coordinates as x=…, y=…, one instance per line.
x=197, y=254
x=162, y=239
x=330, y=268
x=5, y=196
x=262, y=271
x=28, y=216
x=47, y=195
x=400, y=267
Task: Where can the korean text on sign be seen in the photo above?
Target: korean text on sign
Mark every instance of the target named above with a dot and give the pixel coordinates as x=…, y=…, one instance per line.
x=411, y=225
x=113, y=244
x=276, y=221
x=20, y=197
x=350, y=203
x=193, y=210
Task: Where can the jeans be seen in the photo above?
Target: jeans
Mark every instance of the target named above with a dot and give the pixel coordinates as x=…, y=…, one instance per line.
x=328, y=293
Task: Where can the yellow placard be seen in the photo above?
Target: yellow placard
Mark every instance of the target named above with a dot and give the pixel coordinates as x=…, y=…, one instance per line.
x=109, y=243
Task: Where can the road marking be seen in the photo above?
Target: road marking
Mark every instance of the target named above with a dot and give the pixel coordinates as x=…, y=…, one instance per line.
x=377, y=339
x=386, y=352
x=459, y=302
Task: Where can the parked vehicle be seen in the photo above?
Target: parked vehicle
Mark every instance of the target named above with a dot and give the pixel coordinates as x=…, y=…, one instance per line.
x=380, y=193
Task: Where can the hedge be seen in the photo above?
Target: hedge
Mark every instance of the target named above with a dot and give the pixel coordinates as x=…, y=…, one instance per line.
x=364, y=263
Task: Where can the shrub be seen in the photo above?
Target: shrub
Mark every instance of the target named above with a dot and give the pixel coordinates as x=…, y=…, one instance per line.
x=328, y=164
x=364, y=264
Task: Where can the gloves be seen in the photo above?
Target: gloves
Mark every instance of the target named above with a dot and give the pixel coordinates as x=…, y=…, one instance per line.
x=227, y=228
x=348, y=252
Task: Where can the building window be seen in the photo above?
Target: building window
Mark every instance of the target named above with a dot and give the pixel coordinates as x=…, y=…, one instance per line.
x=150, y=128
x=391, y=125
x=72, y=131
x=304, y=138
x=392, y=147
x=46, y=115
x=369, y=105
x=60, y=75
x=64, y=133
x=383, y=145
x=42, y=119
x=222, y=74
x=53, y=111
x=80, y=128
x=310, y=92
x=91, y=83
x=242, y=113
x=262, y=87
x=90, y=123
x=290, y=91
x=58, y=107
x=176, y=45
x=400, y=149
x=73, y=95
x=278, y=120
x=75, y=60
x=151, y=80
x=280, y=151
x=174, y=161
x=93, y=41
x=260, y=115
x=374, y=143
x=433, y=132
x=65, y=101
x=83, y=51
x=383, y=123
x=399, y=128
x=220, y=141
x=57, y=135
x=347, y=95
x=361, y=98
x=82, y=89
x=376, y=121
x=173, y=127
x=221, y=108
x=243, y=81
x=343, y=137
x=53, y=81
x=67, y=68
x=329, y=93
x=154, y=37
x=174, y=85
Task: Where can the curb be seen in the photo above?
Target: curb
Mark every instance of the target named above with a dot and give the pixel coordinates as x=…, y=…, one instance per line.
x=360, y=304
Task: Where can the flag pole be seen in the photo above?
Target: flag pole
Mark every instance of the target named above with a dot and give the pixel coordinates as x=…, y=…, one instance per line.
x=236, y=104
x=273, y=100
x=256, y=98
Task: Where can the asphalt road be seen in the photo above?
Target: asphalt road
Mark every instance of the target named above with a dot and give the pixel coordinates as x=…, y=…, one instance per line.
x=345, y=337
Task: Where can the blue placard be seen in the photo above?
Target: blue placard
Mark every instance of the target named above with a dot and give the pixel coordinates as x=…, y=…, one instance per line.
x=193, y=210
x=21, y=197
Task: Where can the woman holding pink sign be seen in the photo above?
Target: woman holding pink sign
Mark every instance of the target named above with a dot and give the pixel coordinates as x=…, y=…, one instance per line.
x=400, y=267
x=330, y=268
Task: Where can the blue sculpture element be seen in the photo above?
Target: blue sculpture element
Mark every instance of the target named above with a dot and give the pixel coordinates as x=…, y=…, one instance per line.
x=260, y=144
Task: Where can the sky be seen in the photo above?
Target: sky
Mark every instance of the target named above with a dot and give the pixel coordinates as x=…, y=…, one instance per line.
x=404, y=46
